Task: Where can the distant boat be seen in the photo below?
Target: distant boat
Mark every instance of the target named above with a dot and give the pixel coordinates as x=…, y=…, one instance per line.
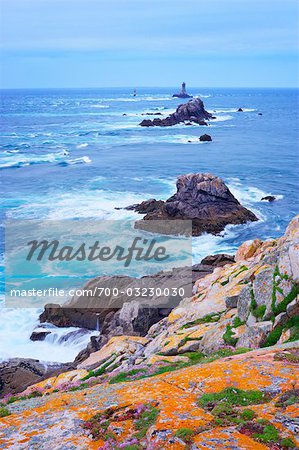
x=183, y=93
x=134, y=93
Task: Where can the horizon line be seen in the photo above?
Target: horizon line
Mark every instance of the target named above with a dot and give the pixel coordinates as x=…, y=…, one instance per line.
x=146, y=87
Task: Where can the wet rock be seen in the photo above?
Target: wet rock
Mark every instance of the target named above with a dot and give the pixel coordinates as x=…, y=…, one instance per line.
x=18, y=373
x=203, y=199
x=240, y=110
x=269, y=198
x=39, y=335
x=205, y=138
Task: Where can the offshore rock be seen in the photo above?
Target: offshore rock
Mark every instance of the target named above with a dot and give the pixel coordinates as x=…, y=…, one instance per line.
x=193, y=111
x=203, y=199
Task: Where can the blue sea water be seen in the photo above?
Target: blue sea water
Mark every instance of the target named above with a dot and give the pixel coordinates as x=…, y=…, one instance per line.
x=68, y=154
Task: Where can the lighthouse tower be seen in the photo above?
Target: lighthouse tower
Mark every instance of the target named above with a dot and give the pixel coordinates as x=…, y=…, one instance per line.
x=183, y=93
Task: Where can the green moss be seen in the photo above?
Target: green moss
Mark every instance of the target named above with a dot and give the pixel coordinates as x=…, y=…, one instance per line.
x=269, y=434
x=282, y=306
x=4, y=412
x=224, y=283
x=242, y=269
x=228, y=336
x=234, y=397
x=146, y=420
x=185, y=434
x=237, y=322
x=123, y=376
x=288, y=398
x=247, y=414
x=98, y=372
x=79, y=388
x=259, y=311
x=273, y=337
x=209, y=318
x=287, y=443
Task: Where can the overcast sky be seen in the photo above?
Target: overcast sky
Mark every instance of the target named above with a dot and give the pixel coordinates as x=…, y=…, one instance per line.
x=100, y=43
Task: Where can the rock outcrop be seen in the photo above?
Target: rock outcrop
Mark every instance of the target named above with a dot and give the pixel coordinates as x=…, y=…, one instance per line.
x=133, y=318
x=18, y=373
x=250, y=303
x=246, y=401
x=201, y=198
x=205, y=138
x=193, y=111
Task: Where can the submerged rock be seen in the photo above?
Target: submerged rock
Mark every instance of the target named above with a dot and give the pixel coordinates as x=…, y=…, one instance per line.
x=203, y=199
x=193, y=111
x=269, y=198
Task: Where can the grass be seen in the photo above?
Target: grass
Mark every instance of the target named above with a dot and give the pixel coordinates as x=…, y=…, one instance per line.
x=242, y=269
x=4, y=412
x=185, y=434
x=237, y=322
x=287, y=443
x=98, y=372
x=273, y=337
x=146, y=420
x=194, y=358
x=123, y=376
x=234, y=397
x=288, y=398
x=269, y=434
x=209, y=318
x=228, y=336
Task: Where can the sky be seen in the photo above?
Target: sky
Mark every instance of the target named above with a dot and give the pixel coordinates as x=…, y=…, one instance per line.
x=111, y=43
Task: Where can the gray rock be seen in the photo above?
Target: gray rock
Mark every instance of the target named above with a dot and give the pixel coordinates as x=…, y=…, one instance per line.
x=244, y=301
x=232, y=301
x=201, y=198
x=263, y=289
x=255, y=335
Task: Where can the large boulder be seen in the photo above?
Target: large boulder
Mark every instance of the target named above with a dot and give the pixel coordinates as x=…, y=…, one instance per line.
x=193, y=111
x=205, y=200
x=18, y=373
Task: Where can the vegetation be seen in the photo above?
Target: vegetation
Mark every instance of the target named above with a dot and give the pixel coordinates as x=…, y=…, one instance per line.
x=209, y=318
x=228, y=336
x=98, y=372
x=185, y=434
x=146, y=420
x=4, y=412
x=234, y=397
x=290, y=397
x=142, y=417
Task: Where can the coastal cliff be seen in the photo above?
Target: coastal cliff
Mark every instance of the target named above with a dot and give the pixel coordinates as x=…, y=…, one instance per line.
x=219, y=369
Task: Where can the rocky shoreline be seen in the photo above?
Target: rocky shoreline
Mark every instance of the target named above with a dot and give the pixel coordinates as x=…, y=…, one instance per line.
x=220, y=365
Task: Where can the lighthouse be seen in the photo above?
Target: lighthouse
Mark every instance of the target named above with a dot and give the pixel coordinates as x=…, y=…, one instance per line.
x=183, y=93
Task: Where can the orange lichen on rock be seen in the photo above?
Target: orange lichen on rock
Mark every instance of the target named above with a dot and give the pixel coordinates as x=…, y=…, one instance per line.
x=59, y=417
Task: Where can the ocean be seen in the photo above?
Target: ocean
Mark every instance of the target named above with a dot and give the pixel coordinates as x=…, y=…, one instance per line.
x=70, y=154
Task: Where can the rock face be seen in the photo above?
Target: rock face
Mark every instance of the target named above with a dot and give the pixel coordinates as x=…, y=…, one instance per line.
x=193, y=111
x=18, y=373
x=133, y=318
x=250, y=303
x=202, y=198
